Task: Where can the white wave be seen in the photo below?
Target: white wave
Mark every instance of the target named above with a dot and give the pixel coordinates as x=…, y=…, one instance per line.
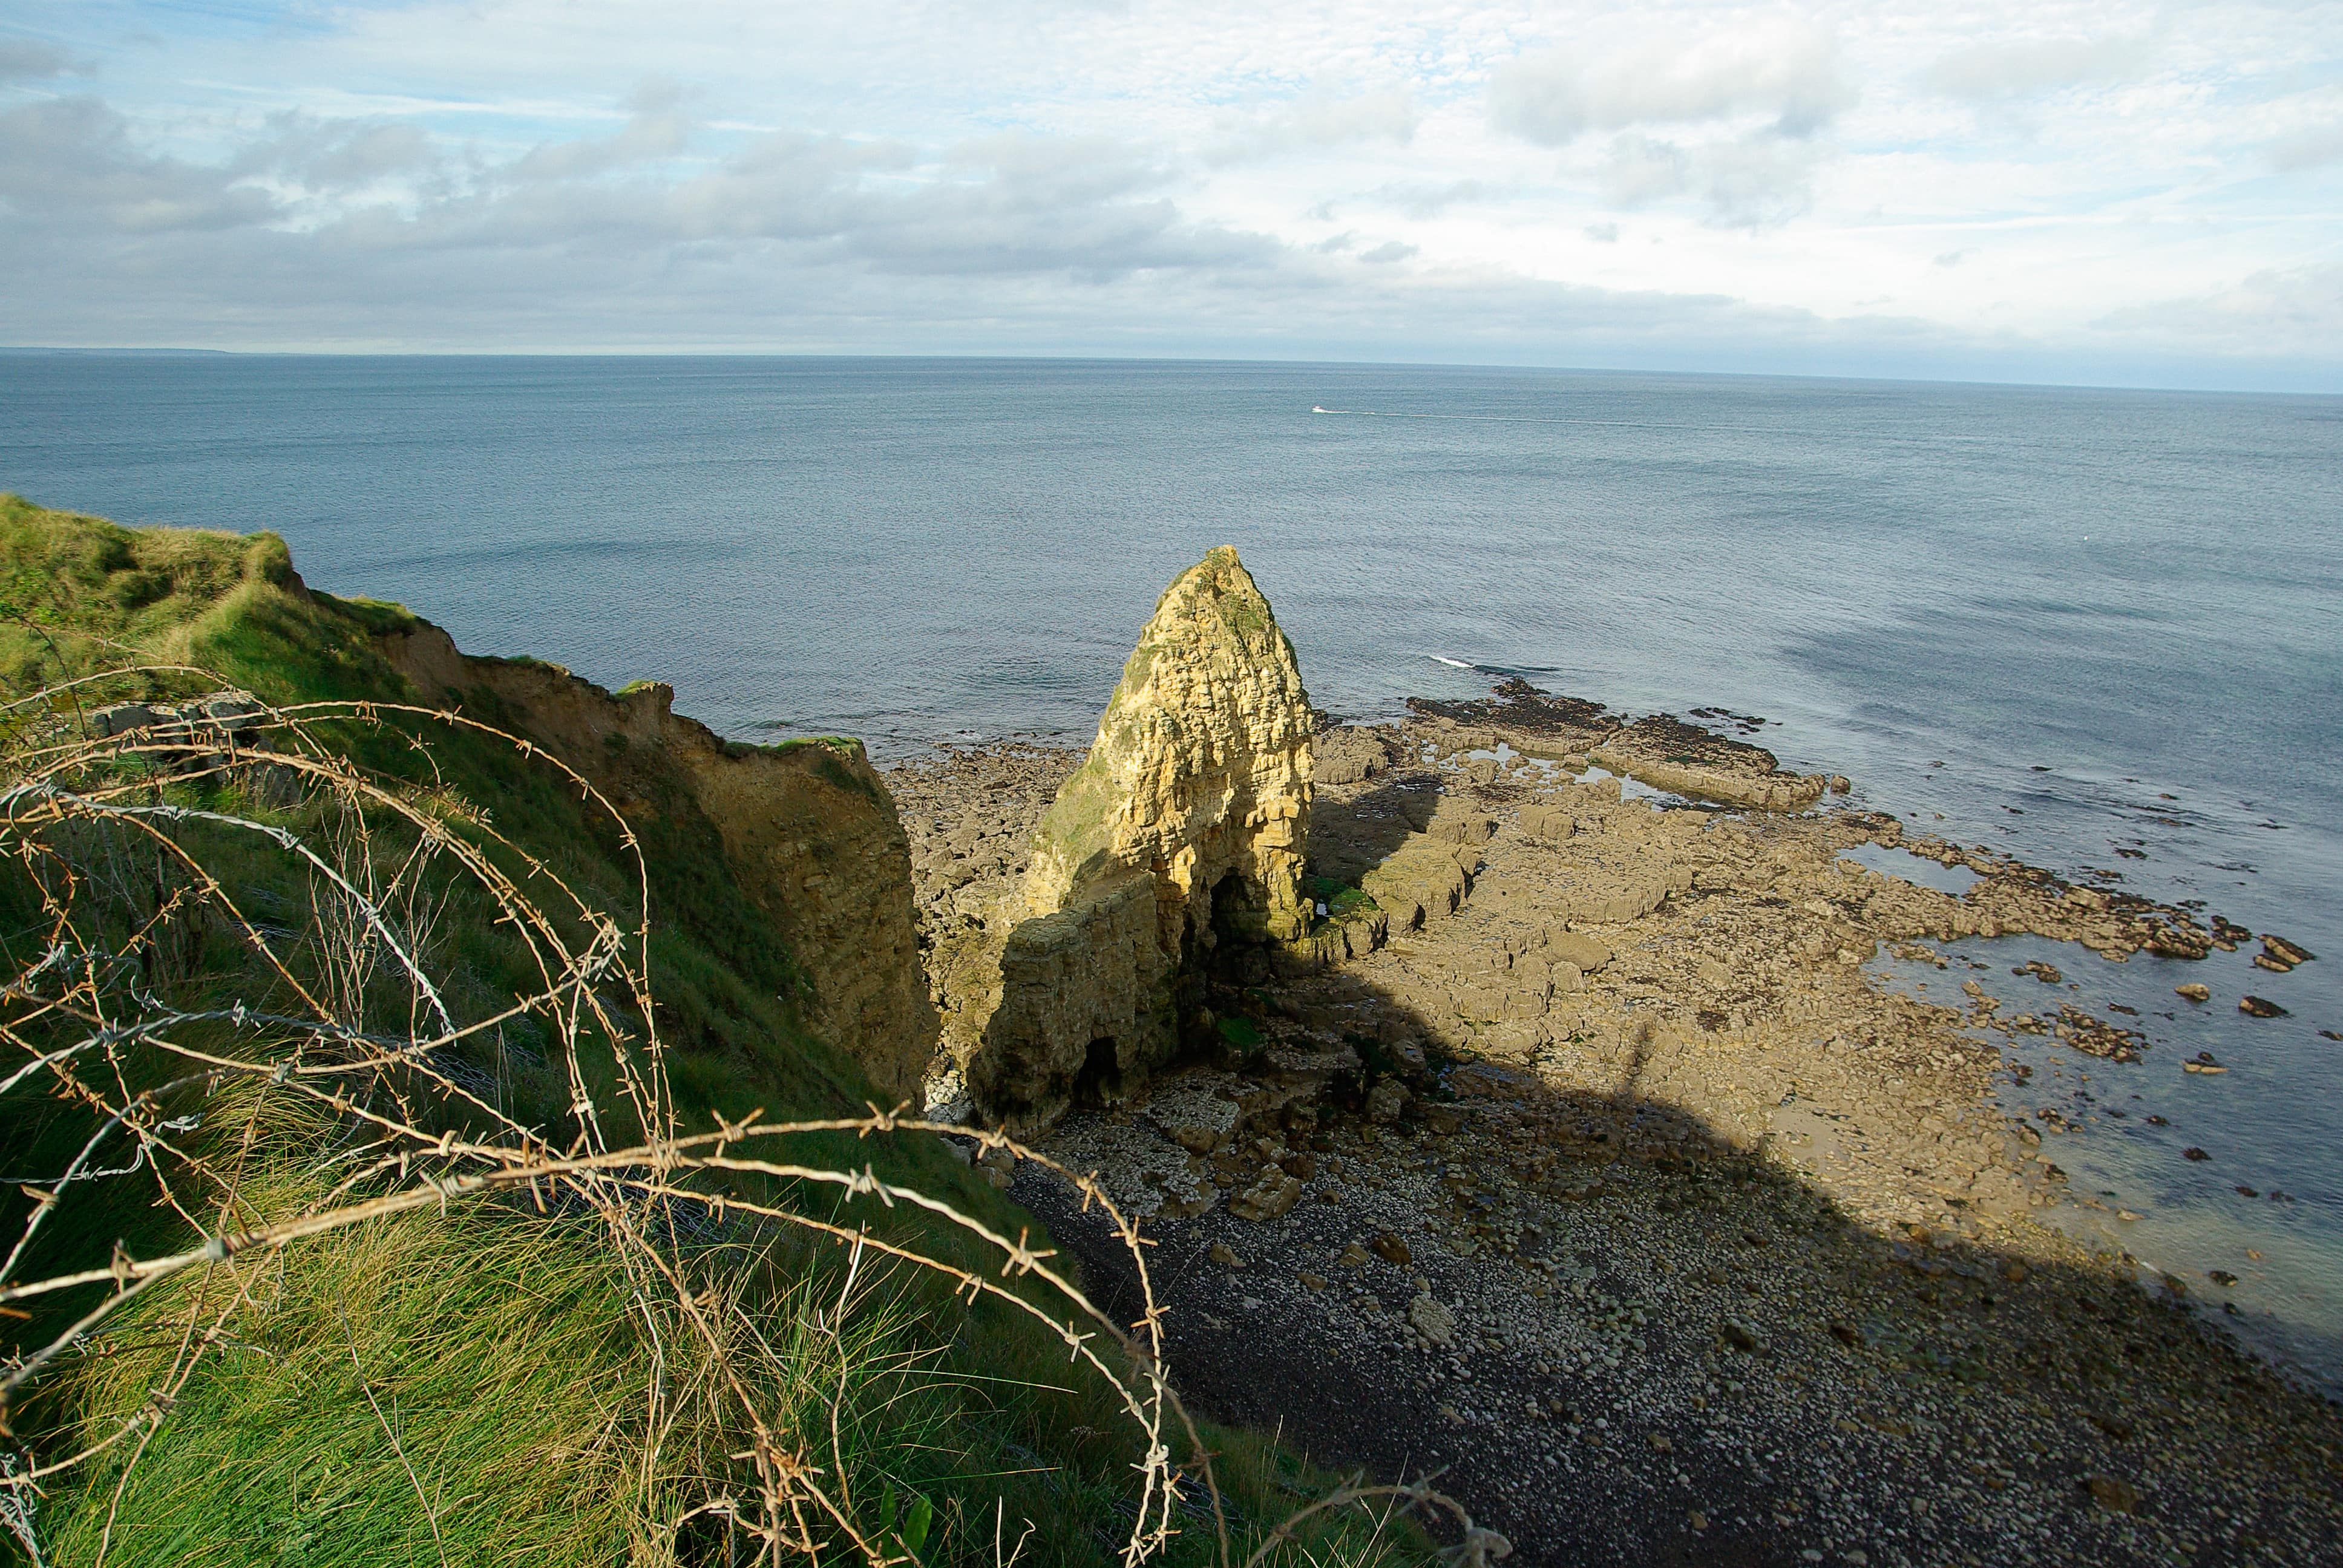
x=1451, y=663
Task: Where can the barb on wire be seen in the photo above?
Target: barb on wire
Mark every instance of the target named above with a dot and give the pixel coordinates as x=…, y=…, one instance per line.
x=236, y=992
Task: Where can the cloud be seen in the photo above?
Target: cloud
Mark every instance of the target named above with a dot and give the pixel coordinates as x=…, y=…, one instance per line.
x=1000, y=206
x=2272, y=312
x=1316, y=121
x=1033, y=205
x=71, y=163
x=2000, y=72
x=342, y=155
x=461, y=173
x=2313, y=148
x=1427, y=201
x=1792, y=77
x=658, y=128
x=23, y=60
x=261, y=286
x=1014, y=205
x=1389, y=251
x=1751, y=182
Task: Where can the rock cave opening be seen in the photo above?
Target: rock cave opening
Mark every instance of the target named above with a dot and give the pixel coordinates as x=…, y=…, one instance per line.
x=1238, y=952
x=1099, y=1081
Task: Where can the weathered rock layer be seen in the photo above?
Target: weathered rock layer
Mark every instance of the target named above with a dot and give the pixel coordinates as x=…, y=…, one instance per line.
x=1660, y=749
x=1176, y=846
x=809, y=831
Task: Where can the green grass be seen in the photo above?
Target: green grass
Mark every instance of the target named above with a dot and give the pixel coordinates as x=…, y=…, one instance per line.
x=491, y=1385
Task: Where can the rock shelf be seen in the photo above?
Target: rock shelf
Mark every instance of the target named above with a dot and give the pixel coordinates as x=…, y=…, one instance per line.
x=1593, y=1161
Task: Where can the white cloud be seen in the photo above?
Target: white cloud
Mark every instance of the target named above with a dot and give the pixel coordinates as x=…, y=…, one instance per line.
x=1749, y=182
x=999, y=205
x=338, y=155
x=1173, y=175
x=1427, y=200
x=1792, y=77
x=2315, y=146
x=2026, y=68
x=1316, y=121
x=28, y=60
x=72, y=163
x=2272, y=312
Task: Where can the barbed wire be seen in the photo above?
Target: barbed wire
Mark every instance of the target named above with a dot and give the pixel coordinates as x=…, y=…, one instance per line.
x=131, y=831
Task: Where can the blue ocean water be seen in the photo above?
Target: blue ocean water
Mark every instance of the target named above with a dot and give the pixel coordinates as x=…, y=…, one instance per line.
x=2059, y=622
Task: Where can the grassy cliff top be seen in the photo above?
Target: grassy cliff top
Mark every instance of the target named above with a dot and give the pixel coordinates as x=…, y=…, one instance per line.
x=490, y=1379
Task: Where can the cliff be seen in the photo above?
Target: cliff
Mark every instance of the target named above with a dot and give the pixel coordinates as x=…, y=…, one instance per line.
x=809, y=832
x=1176, y=847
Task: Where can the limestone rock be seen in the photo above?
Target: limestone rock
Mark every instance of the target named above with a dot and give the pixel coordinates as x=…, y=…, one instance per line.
x=1347, y=754
x=1584, y=951
x=1453, y=822
x=1174, y=846
x=1386, y=1101
x=1272, y=1197
x=1666, y=753
x=1417, y=881
x=1195, y=1116
x=806, y=829
x=1540, y=821
x=1433, y=1320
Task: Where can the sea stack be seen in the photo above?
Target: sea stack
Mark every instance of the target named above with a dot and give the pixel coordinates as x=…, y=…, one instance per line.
x=1174, y=850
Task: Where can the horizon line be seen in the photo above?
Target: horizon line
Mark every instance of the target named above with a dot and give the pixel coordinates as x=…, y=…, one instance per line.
x=177, y=351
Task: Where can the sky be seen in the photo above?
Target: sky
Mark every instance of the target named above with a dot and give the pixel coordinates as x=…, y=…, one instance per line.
x=2091, y=191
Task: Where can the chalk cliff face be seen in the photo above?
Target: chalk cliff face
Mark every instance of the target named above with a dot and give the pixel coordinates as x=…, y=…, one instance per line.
x=811, y=833
x=1181, y=835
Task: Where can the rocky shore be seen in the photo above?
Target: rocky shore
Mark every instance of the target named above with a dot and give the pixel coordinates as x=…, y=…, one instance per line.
x=1574, y=1148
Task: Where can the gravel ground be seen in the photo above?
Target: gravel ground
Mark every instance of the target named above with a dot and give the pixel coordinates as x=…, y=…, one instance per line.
x=1715, y=1250
x=1704, y=1361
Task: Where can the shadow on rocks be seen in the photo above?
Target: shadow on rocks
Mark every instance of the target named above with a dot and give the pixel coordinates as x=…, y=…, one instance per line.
x=1622, y=1340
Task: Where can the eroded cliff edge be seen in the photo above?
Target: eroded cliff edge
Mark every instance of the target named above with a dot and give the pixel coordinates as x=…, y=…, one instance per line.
x=807, y=829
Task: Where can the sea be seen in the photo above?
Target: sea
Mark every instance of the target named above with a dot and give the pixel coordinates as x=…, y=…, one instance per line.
x=2100, y=630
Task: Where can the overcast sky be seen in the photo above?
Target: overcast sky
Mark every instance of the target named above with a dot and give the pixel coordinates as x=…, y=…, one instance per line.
x=2104, y=192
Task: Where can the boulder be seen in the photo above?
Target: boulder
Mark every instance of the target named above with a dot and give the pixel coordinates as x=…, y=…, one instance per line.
x=1347, y=754
x=1585, y=952
x=1272, y=1197
x=1546, y=822
x=122, y=719
x=1386, y=1101
x=1195, y=1116
x=1433, y=1320
x=1418, y=881
x=1455, y=822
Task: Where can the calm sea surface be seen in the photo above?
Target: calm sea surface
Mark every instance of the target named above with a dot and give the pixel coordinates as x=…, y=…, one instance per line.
x=1940, y=591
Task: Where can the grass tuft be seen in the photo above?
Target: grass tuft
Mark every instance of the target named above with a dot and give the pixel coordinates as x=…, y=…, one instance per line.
x=429, y=1165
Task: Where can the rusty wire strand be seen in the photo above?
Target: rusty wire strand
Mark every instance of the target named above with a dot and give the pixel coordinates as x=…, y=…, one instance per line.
x=99, y=824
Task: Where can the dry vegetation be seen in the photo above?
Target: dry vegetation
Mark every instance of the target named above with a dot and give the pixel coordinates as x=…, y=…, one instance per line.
x=363, y=1210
